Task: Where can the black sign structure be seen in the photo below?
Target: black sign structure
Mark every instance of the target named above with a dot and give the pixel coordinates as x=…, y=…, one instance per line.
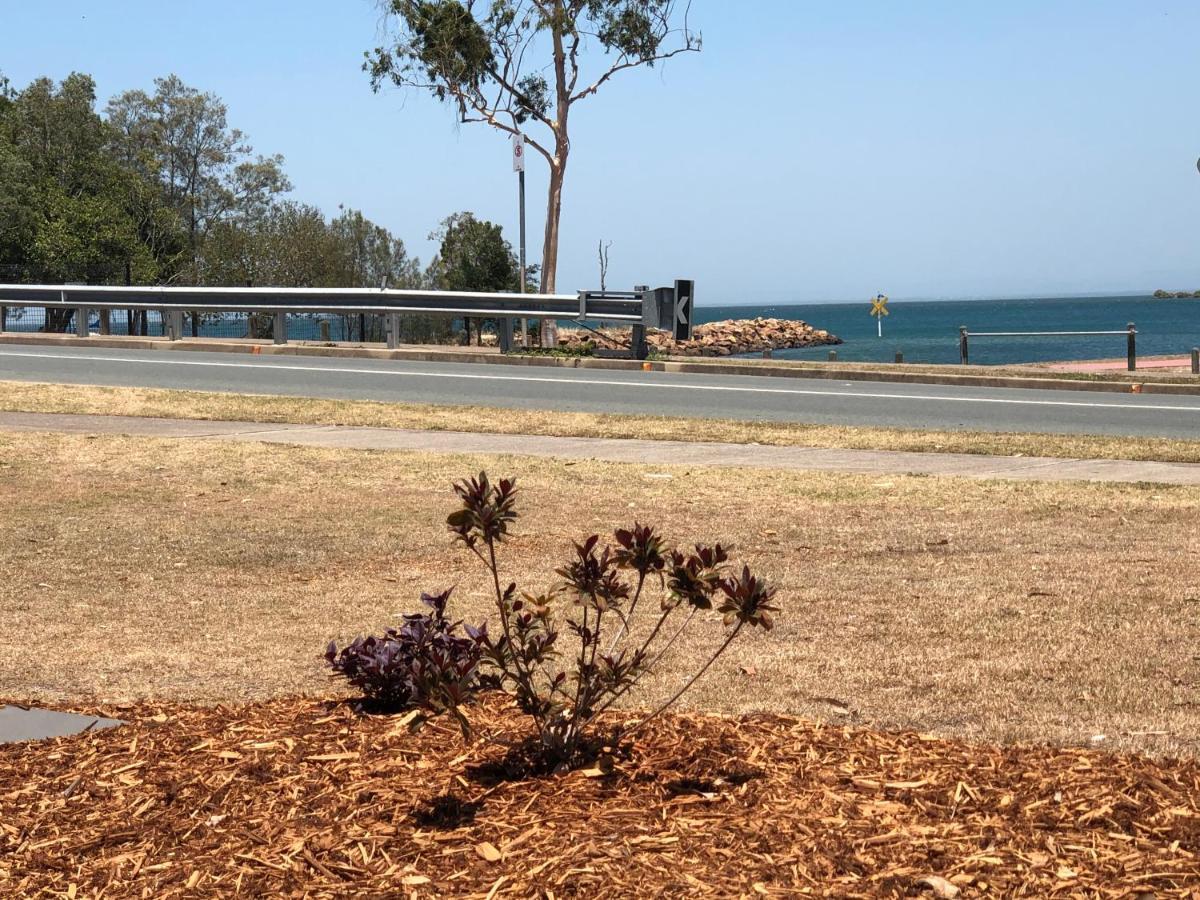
x=683, y=304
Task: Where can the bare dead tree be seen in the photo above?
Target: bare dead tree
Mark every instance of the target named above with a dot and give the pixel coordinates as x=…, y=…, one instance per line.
x=603, y=250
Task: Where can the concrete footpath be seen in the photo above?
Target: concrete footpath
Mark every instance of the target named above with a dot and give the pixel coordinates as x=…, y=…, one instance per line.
x=879, y=462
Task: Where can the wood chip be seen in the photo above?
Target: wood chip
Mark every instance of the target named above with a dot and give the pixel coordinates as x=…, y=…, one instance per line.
x=310, y=798
x=939, y=887
x=488, y=851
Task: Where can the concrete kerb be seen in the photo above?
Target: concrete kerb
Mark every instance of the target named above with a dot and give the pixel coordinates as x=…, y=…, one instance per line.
x=421, y=354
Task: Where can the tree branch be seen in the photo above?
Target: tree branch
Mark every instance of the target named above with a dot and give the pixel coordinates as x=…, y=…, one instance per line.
x=489, y=116
x=624, y=62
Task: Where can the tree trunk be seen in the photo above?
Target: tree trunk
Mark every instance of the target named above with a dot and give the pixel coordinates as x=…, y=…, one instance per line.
x=558, y=169
x=553, y=214
x=549, y=327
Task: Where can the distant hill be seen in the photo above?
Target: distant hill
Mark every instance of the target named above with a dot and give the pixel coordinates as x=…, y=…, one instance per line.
x=1177, y=295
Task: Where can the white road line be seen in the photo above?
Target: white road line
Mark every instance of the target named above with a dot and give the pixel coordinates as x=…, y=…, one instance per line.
x=601, y=382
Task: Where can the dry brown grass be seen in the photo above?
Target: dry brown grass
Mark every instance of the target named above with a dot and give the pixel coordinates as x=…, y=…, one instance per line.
x=136, y=568
x=56, y=398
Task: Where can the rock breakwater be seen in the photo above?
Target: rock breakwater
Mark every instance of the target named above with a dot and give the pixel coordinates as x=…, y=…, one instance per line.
x=730, y=337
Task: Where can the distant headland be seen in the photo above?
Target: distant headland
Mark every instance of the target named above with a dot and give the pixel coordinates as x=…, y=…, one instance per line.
x=1176, y=295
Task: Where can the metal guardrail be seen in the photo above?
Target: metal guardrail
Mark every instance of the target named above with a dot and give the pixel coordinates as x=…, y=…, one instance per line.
x=669, y=308
x=1130, y=332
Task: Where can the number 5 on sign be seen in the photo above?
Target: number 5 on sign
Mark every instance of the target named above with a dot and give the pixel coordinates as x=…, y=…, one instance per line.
x=879, y=310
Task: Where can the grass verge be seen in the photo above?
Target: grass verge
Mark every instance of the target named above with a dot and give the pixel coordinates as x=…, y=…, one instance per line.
x=188, y=570
x=147, y=402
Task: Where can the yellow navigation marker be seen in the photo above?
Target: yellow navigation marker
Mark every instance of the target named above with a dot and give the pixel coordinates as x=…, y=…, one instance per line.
x=879, y=310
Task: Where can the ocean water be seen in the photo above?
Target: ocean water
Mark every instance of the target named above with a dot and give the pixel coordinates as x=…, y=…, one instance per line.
x=927, y=330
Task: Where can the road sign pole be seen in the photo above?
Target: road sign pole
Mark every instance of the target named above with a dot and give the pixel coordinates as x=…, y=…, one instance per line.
x=524, y=322
x=519, y=165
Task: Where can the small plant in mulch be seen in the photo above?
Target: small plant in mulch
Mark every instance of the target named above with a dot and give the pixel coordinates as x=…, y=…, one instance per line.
x=426, y=665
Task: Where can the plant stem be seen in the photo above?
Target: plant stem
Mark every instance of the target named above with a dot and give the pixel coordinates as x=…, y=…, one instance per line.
x=657, y=627
x=672, y=640
x=629, y=614
x=524, y=677
x=590, y=691
x=729, y=640
x=582, y=693
x=625, y=690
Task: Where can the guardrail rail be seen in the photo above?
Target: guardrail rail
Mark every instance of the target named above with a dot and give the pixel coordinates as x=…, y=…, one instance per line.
x=666, y=307
x=1130, y=332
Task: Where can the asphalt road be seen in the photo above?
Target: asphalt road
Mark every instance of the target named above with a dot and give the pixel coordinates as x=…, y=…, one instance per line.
x=643, y=393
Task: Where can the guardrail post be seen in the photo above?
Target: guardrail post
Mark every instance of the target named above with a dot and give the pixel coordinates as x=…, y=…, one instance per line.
x=1195, y=360
x=638, y=342
x=899, y=356
x=963, y=356
x=3, y=318
x=392, y=325
x=81, y=322
x=174, y=321
x=279, y=326
x=1132, y=347
x=833, y=356
x=504, y=332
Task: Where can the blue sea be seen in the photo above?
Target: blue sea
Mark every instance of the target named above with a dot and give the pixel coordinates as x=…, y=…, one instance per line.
x=927, y=330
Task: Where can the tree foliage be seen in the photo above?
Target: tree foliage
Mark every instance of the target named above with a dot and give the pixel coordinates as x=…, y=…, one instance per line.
x=208, y=172
x=160, y=189
x=61, y=195
x=473, y=256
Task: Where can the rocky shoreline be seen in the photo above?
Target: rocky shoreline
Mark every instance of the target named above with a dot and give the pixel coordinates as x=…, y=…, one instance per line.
x=1176, y=295
x=730, y=337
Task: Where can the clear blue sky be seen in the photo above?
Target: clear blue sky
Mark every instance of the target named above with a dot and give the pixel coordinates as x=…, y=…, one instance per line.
x=813, y=151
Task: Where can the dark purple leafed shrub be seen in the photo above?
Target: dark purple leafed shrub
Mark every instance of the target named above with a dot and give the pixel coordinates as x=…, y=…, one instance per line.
x=596, y=602
x=424, y=664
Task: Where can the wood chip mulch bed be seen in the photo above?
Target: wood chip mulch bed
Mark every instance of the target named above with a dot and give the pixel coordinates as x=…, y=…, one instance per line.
x=310, y=799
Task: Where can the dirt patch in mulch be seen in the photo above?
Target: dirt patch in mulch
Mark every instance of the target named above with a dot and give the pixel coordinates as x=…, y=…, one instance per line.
x=308, y=798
